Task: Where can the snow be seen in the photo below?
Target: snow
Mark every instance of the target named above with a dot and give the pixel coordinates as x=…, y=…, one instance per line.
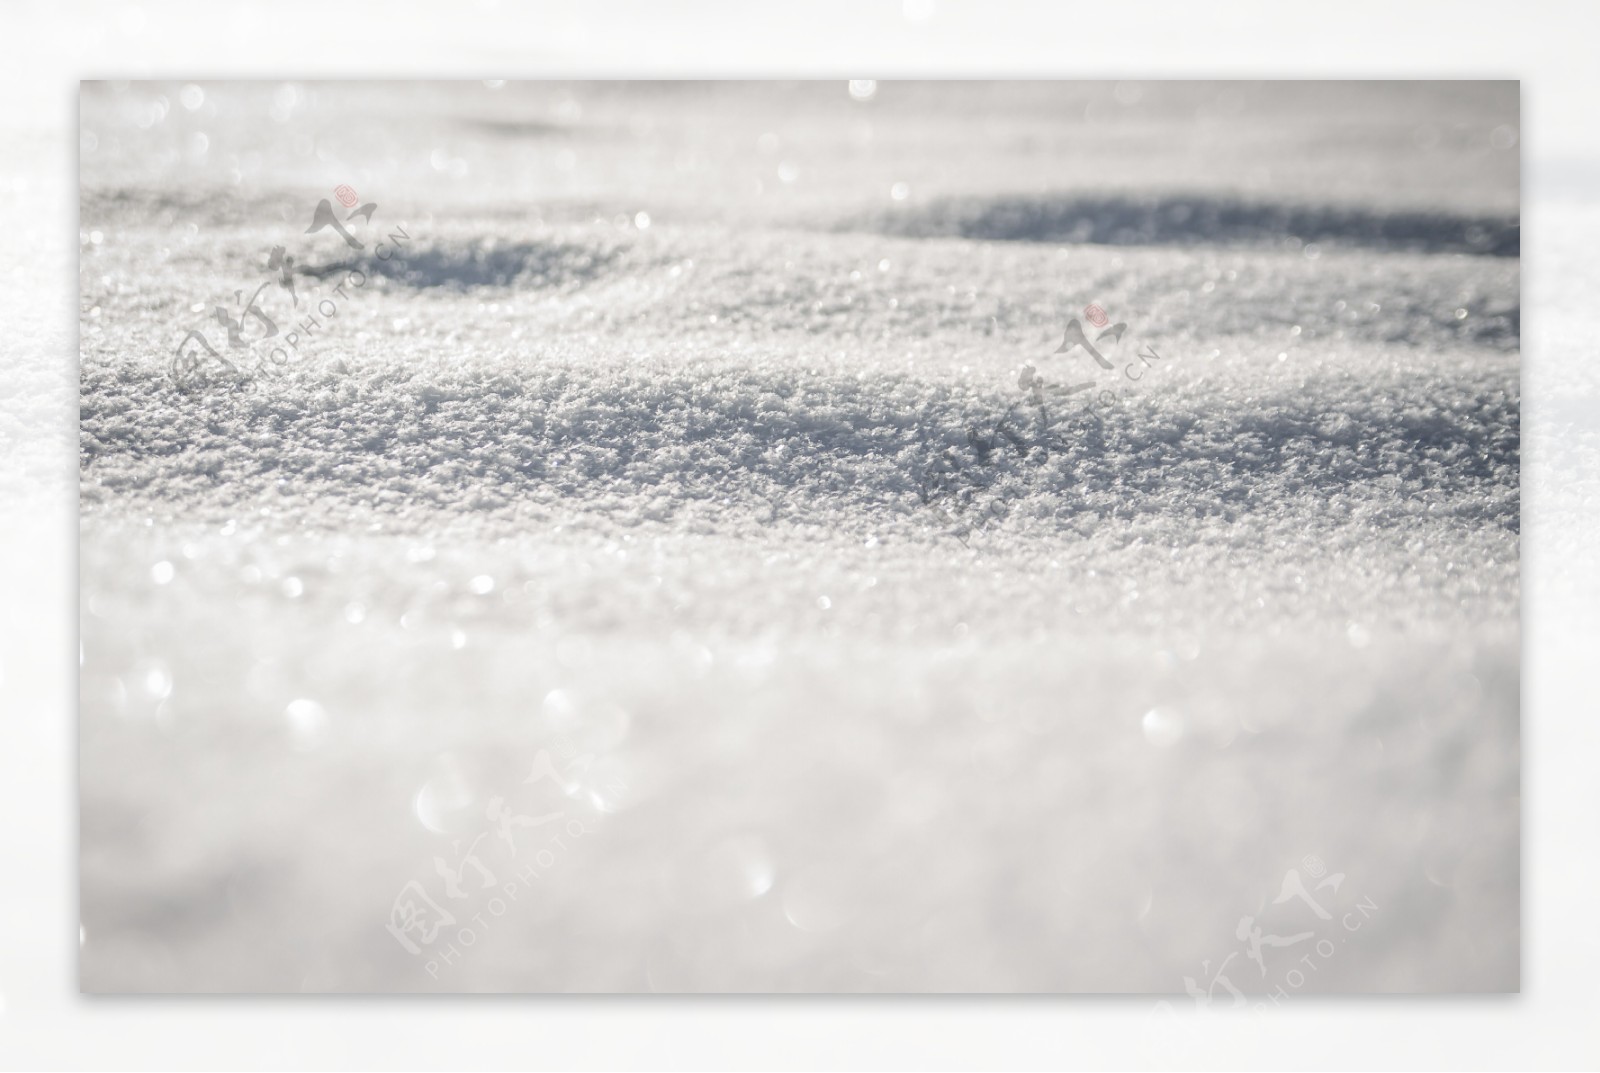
x=859, y=670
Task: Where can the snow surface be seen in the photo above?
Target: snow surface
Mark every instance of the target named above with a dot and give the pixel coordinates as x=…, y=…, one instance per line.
x=862, y=668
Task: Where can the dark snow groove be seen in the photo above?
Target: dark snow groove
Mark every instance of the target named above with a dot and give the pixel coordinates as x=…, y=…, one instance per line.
x=463, y=265
x=1192, y=220
x=472, y=442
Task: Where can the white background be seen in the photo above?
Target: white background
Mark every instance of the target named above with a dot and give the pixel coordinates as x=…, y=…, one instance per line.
x=45, y=48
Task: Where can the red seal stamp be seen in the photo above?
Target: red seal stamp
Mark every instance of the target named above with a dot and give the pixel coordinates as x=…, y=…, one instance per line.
x=347, y=198
x=1096, y=316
